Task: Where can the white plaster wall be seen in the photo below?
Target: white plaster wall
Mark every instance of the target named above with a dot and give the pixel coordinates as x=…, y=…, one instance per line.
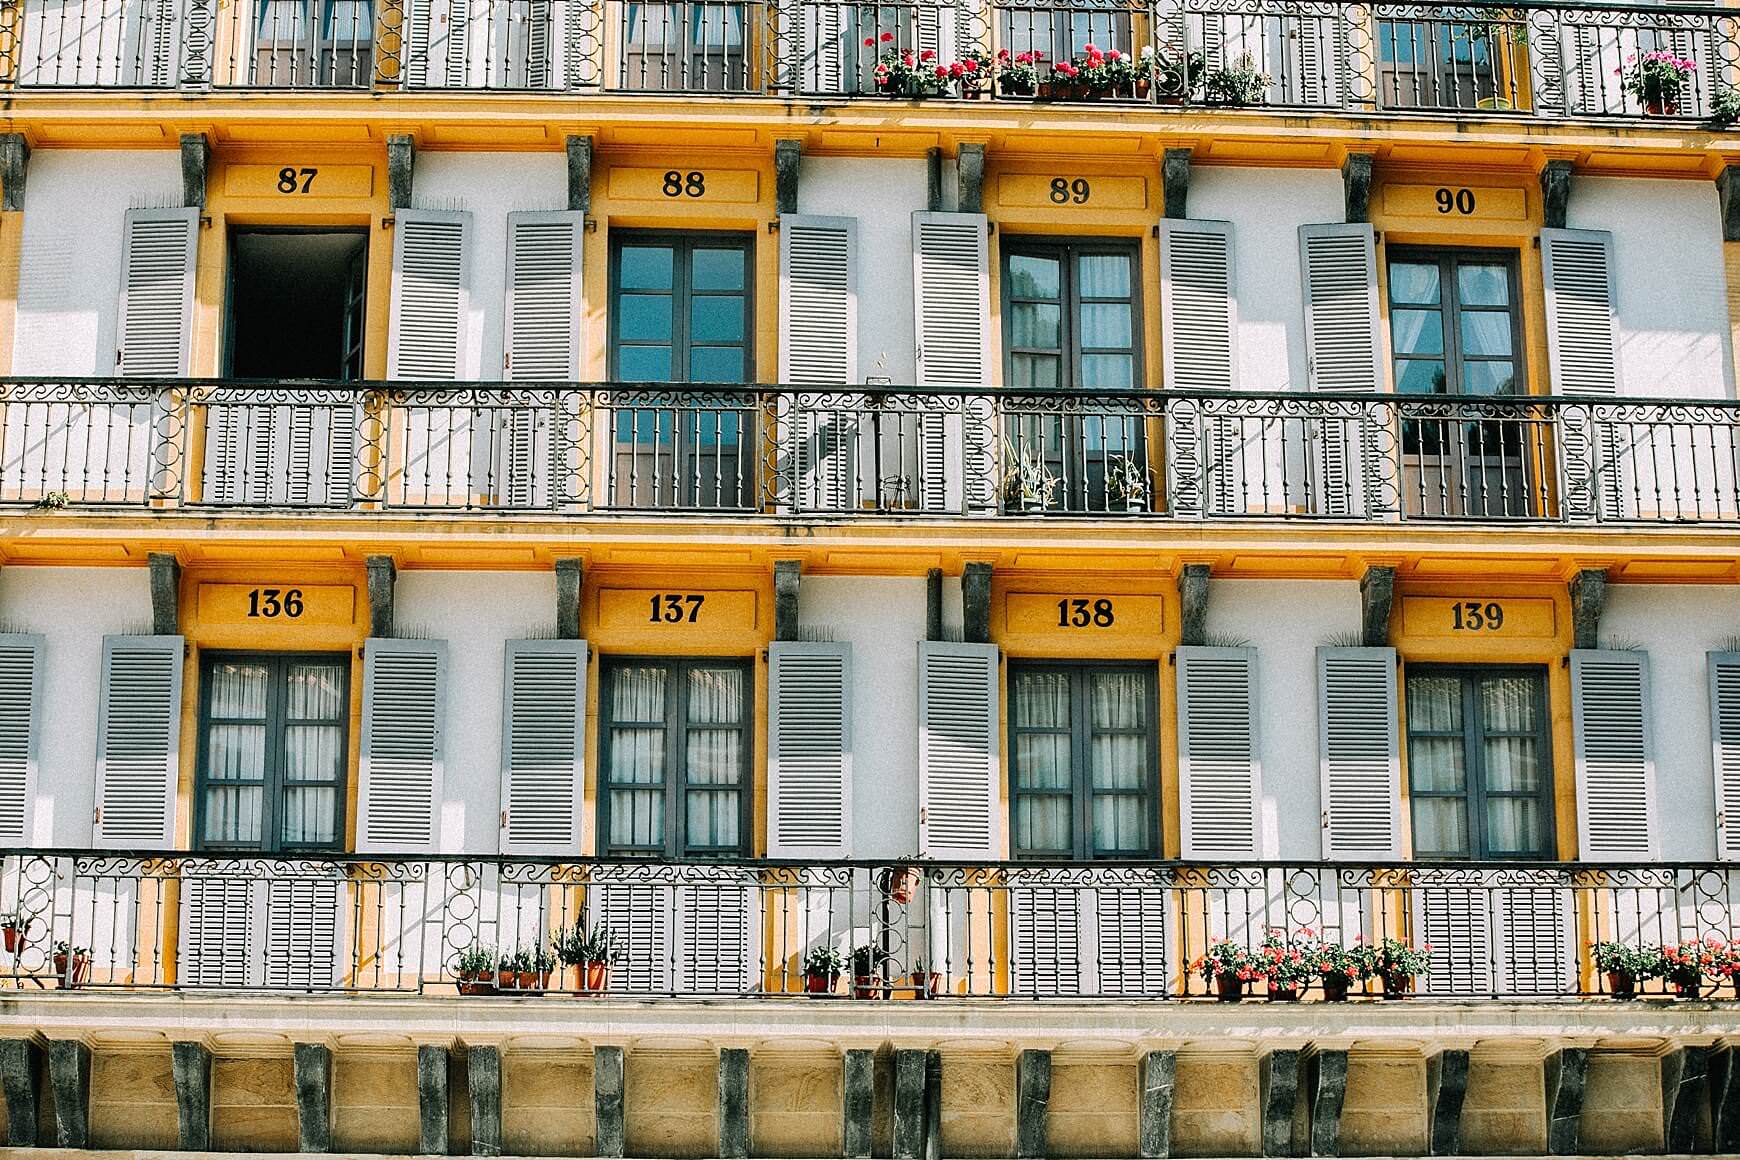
x=883, y=619
x=490, y=186
x=1672, y=292
x=73, y=609
x=1285, y=621
x=1267, y=207
x=1677, y=625
x=69, y=282
x=882, y=193
x=476, y=613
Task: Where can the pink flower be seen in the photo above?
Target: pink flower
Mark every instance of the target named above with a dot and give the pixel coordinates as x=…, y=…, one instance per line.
x=1116, y=55
x=942, y=74
x=927, y=54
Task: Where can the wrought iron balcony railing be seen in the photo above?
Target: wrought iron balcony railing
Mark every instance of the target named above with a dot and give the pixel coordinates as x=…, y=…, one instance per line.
x=1530, y=60
x=856, y=452
x=232, y=922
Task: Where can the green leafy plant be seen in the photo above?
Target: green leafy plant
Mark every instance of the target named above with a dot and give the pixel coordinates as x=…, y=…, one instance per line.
x=1656, y=78
x=867, y=960
x=1640, y=962
x=1725, y=106
x=1289, y=963
x=824, y=960
x=1686, y=964
x=1127, y=479
x=1240, y=84
x=580, y=945
x=1018, y=73
x=1226, y=959
x=901, y=72
x=53, y=501
x=1028, y=480
x=1394, y=956
x=1173, y=72
x=476, y=962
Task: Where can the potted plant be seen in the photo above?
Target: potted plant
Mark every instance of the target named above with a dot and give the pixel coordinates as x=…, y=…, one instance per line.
x=475, y=971
x=1398, y=964
x=1724, y=106
x=1028, y=481
x=1102, y=74
x=1173, y=73
x=901, y=72
x=589, y=953
x=1066, y=82
x=1018, y=73
x=925, y=984
x=1657, y=80
x=1127, y=479
x=1288, y=964
x=1229, y=966
x=1337, y=969
x=1625, y=966
x=1684, y=964
x=903, y=882
x=1240, y=84
x=15, y=930
x=972, y=73
x=867, y=961
x=823, y=966
x=72, y=964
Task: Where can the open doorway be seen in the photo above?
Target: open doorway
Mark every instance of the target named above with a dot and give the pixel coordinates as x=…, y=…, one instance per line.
x=296, y=303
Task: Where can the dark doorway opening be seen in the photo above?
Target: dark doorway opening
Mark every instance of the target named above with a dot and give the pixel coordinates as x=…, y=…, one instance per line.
x=297, y=303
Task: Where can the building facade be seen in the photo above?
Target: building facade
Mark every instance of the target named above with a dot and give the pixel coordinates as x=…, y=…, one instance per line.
x=832, y=506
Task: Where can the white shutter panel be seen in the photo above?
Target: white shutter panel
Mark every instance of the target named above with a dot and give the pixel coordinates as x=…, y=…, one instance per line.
x=958, y=806
x=20, y=709
x=404, y=705
x=809, y=748
x=1582, y=339
x=431, y=294
x=1359, y=753
x=1725, y=744
x=1198, y=306
x=419, y=36
x=1343, y=350
x=1616, y=819
x=302, y=933
x=714, y=951
x=218, y=942
x=138, y=742
x=1045, y=926
x=156, y=322
x=818, y=300
x=539, y=15
x=1129, y=940
x=1454, y=920
x=1218, y=771
x=639, y=913
x=951, y=299
x=541, y=333
x=543, y=746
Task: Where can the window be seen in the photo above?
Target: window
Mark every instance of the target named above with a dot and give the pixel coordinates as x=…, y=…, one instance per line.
x=682, y=314
x=676, y=738
x=314, y=42
x=1084, y=760
x=1479, y=762
x=1453, y=321
x=1071, y=320
x=1462, y=59
x=272, y=767
x=1063, y=32
x=685, y=47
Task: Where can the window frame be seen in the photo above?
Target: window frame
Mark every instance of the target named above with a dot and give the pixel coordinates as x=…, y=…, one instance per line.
x=1067, y=249
x=676, y=834
x=1081, y=734
x=1447, y=259
x=272, y=783
x=1473, y=731
x=683, y=244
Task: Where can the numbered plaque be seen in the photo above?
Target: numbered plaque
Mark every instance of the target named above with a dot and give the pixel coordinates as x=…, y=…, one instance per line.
x=286, y=603
x=676, y=611
x=299, y=179
x=1082, y=614
x=1072, y=191
x=686, y=185
x=1476, y=618
x=1455, y=202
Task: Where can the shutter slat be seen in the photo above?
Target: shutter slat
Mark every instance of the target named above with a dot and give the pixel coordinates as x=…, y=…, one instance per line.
x=713, y=936
x=958, y=771
x=21, y=675
x=541, y=333
x=809, y=735
x=1218, y=772
x=543, y=746
x=1616, y=810
x=404, y=703
x=1582, y=339
x=1339, y=263
x=156, y=319
x=1724, y=668
x=1198, y=308
x=139, y=742
x=1359, y=753
x=430, y=295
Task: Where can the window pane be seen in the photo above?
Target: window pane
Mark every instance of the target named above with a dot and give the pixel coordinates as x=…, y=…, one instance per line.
x=1104, y=276
x=717, y=269
x=637, y=756
x=1513, y=765
x=1034, y=370
x=1434, y=703
x=1485, y=333
x=1414, y=282
x=1435, y=765
x=716, y=364
x=1419, y=377
x=1514, y=826
x=1120, y=824
x=645, y=268
x=1488, y=378
x=643, y=317
x=316, y=691
x=644, y=364
x=1483, y=285
x=1037, y=324
x=1417, y=331
x=232, y=813
x=716, y=318
x=310, y=815
x=1041, y=700
x=1034, y=277
x=238, y=690
x=1042, y=761
x=1441, y=826
x=1107, y=372
x=1105, y=324
x=1042, y=824
x=1510, y=703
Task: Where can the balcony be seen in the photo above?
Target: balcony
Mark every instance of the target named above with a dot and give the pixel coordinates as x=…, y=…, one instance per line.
x=376, y=925
x=785, y=453
x=1529, y=61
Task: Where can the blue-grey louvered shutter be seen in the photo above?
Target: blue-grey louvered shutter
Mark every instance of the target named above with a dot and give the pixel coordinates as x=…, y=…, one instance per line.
x=400, y=781
x=958, y=767
x=138, y=742
x=1359, y=753
x=1219, y=776
x=543, y=746
x=809, y=743
x=20, y=713
x=1610, y=728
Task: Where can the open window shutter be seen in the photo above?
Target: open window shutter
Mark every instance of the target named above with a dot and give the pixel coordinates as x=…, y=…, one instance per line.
x=1218, y=772
x=1045, y=927
x=958, y=808
x=538, y=20
x=459, y=43
x=1616, y=810
x=1198, y=309
x=809, y=750
x=1725, y=742
x=156, y=320
x=1582, y=340
x=219, y=943
x=431, y=286
x=1343, y=350
x=543, y=746
x=419, y=36
x=20, y=711
x=951, y=298
x=1454, y=920
x=542, y=328
x=818, y=345
x=1359, y=753
x=138, y=742
x=713, y=924
x=302, y=932
x=827, y=49
x=404, y=706
x=640, y=914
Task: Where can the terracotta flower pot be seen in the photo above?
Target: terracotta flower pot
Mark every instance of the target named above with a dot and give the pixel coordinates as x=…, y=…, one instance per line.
x=477, y=983
x=589, y=978
x=506, y=979
x=1048, y=91
x=1662, y=107
x=1335, y=988
x=1397, y=985
x=926, y=984
x=1622, y=984
x=903, y=882
x=15, y=938
x=1229, y=988
x=867, y=986
x=80, y=973
x=817, y=983
x=1283, y=993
